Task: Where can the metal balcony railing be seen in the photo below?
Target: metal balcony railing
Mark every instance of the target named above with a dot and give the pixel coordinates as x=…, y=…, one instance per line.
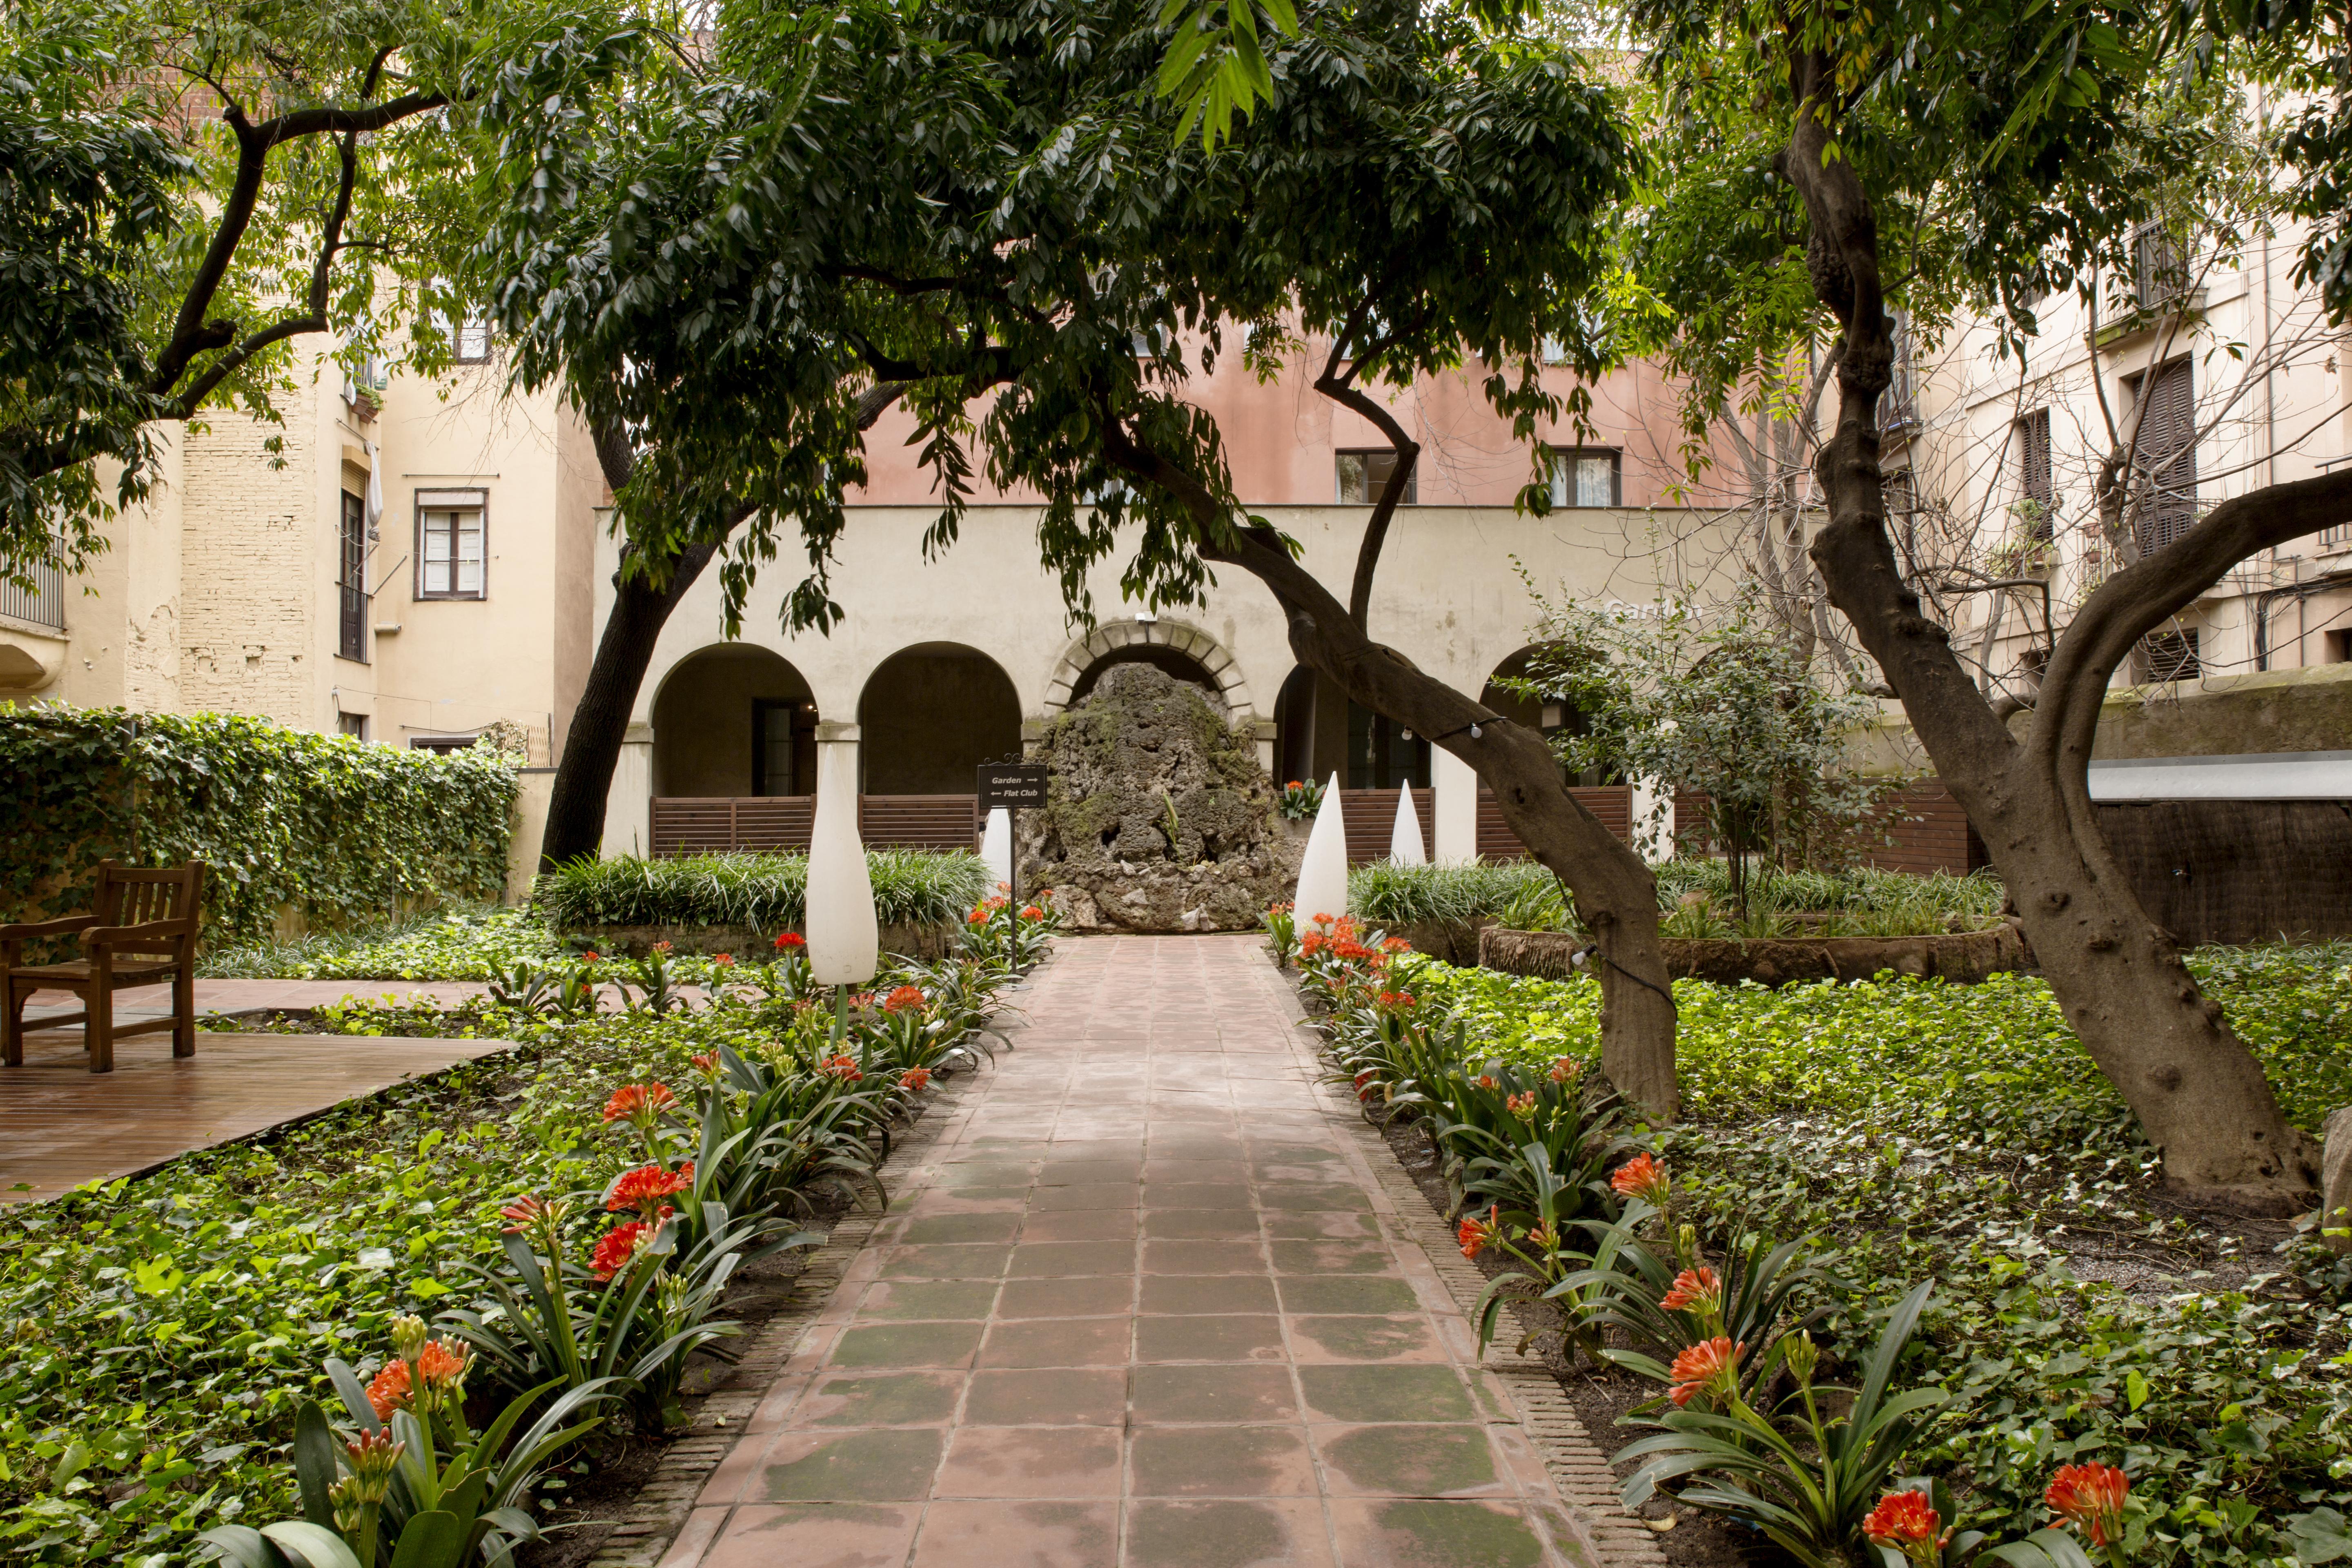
x=45, y=605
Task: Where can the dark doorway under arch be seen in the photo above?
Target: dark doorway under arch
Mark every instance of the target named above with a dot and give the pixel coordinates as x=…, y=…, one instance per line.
x=1170, y=661
x=1551, y=715
x=1319, y=731
x=732, y=720
x=930, y=715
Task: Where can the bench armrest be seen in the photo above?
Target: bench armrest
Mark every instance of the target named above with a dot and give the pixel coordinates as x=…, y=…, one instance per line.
x=128, y=936
x=47, y=927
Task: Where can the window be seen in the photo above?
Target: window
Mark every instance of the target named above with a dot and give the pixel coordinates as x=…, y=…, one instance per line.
x=2034, y=472
x=469, y=340
x=2171, y=656
x=772, y=772
x=1383, y=754
x=350, y=580
x=1898, y=407
x=2159, y=269
x=2166, y=455
x=355, y=725
x=2339, y=647
x=1364, y=475
x=1587, y=476
x=449, y=544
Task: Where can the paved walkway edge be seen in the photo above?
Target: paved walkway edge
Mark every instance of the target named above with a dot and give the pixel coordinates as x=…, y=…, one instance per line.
x=1611, y=1537
x=662, y=1506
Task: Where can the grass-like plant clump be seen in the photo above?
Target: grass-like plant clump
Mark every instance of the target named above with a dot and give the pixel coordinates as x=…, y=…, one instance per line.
x=1695, y=894
x=765, y=892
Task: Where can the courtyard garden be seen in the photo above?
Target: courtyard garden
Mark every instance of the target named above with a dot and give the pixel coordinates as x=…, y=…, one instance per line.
x=1906, y=1237
x=415, y=1327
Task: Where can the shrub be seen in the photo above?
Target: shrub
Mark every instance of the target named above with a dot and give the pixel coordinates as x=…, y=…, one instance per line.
x=337, y=826
x=1387, y=895
x=764, y=892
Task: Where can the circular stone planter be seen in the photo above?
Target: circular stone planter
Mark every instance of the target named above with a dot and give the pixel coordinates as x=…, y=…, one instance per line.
x=1963, y=957
x=925, y=942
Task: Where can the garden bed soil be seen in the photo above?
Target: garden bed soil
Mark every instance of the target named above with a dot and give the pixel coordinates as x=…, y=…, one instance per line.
x=1961, y=957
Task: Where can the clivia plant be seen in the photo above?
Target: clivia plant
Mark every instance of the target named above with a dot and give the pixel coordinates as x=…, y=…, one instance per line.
x=1300, y=798
x=404, y=1483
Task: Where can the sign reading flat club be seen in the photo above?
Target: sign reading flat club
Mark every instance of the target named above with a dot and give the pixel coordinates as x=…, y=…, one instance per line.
x=1014, y=785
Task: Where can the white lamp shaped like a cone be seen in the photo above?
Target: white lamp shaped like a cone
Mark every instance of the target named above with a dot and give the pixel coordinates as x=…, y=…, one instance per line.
x=1323, y=869
x=1404, y=842
x=996, y=845
x=844, y=940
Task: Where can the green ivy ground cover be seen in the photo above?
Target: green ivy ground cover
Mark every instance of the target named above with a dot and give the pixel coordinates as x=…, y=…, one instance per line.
x=1958, y=1132
x=162, y=1332
x=463, y=944
x=279, y=817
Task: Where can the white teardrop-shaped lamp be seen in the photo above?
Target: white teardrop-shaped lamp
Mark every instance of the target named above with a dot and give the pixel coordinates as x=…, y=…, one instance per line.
x=1405, y=848
x=845, y=940
x=996, y=845
x=1323, y=869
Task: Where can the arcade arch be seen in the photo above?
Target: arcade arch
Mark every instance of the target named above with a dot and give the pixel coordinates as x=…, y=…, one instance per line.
x=930, y=715
x=734, y=719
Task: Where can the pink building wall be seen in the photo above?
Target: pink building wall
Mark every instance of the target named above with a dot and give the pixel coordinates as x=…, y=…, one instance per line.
x=1282, y=439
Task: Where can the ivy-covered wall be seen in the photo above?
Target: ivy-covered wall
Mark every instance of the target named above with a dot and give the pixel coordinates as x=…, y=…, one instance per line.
x=338, y=828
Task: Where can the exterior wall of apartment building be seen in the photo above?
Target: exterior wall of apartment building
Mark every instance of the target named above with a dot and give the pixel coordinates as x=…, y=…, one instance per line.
x=258, y=582
x=2237, y=383
x=947, y=663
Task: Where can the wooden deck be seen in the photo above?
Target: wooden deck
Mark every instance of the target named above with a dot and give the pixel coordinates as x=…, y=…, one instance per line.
x=60, y=1125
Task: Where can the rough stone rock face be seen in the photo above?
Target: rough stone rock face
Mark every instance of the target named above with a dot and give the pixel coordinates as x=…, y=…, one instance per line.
x=2335, y=1180
x=1158, y=817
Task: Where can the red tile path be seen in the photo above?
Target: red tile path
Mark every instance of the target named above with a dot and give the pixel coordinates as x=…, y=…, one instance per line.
x=1144, y=1304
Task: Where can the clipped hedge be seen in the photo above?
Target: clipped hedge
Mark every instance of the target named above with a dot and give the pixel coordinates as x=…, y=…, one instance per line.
x=342, y=828
x=761, y=892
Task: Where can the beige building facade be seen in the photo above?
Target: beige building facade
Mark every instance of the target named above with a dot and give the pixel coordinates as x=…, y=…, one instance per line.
x=409, y=565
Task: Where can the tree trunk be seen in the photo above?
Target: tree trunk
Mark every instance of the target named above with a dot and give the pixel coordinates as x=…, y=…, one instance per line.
x=583, y=777
x=2196, y=1090
x=1615, y=893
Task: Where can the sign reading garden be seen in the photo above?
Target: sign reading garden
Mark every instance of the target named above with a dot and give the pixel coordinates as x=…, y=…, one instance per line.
x=1013, y=786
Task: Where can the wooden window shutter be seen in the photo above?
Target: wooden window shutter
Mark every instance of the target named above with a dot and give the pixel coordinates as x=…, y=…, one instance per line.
x=2033, y=468
x=2168, y=455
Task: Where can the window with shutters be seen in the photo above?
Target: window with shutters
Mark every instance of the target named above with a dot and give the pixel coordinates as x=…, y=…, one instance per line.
x=451, y=544
x=1587, y=476
x=2165, y=454
x=2171, y=656
x=350, y=580
x=2159, y=270
x=1898, y=406
x=2033, y=473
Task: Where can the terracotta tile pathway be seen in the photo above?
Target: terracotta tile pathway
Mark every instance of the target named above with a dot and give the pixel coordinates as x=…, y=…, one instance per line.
x=1143, y=1304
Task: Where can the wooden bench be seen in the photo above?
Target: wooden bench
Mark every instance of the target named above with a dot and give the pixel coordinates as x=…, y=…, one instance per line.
x=142, y=928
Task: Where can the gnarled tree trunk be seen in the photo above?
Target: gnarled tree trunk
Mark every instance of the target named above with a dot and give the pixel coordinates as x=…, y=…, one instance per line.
x=2195, y=1087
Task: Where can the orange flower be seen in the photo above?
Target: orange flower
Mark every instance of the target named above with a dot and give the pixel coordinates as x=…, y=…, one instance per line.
x=905, y=999
x=661, y=947
x=1712, y=1368
x=2091, y=1499
x=390, y=1389
x=645, y=1187
x=976, y=918
x=639, y=1102
x=705, y=1061
x=1032, y=912
x=1322, y=919
x=842, y=1066
x=440, y=1364
x=785, y=941
x=525, y=1213
x=1565, y=1070
x=1694, y=1290
x=1396, y=944
x=1475, y=1234
x=1905, y=1521
x=1521, y=1105
x=915, y=1078
x=1486, y=1080
x=1310, y=945
x=723, y=960
x=860, y=1000
x=620, y=1244
x=1642, y=1178
x=1398, y=999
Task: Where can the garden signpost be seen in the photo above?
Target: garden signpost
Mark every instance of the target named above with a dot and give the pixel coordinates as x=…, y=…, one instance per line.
x=1010, y=787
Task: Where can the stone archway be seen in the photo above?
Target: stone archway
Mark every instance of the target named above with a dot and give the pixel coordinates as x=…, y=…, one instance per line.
x=1171, y=646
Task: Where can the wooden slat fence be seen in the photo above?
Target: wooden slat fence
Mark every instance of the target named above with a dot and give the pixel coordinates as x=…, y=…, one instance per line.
x=694, y=825
x=1370, y=818
x=1613, y=804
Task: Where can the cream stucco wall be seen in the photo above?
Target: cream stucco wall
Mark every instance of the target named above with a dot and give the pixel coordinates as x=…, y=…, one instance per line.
x=220, y=592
